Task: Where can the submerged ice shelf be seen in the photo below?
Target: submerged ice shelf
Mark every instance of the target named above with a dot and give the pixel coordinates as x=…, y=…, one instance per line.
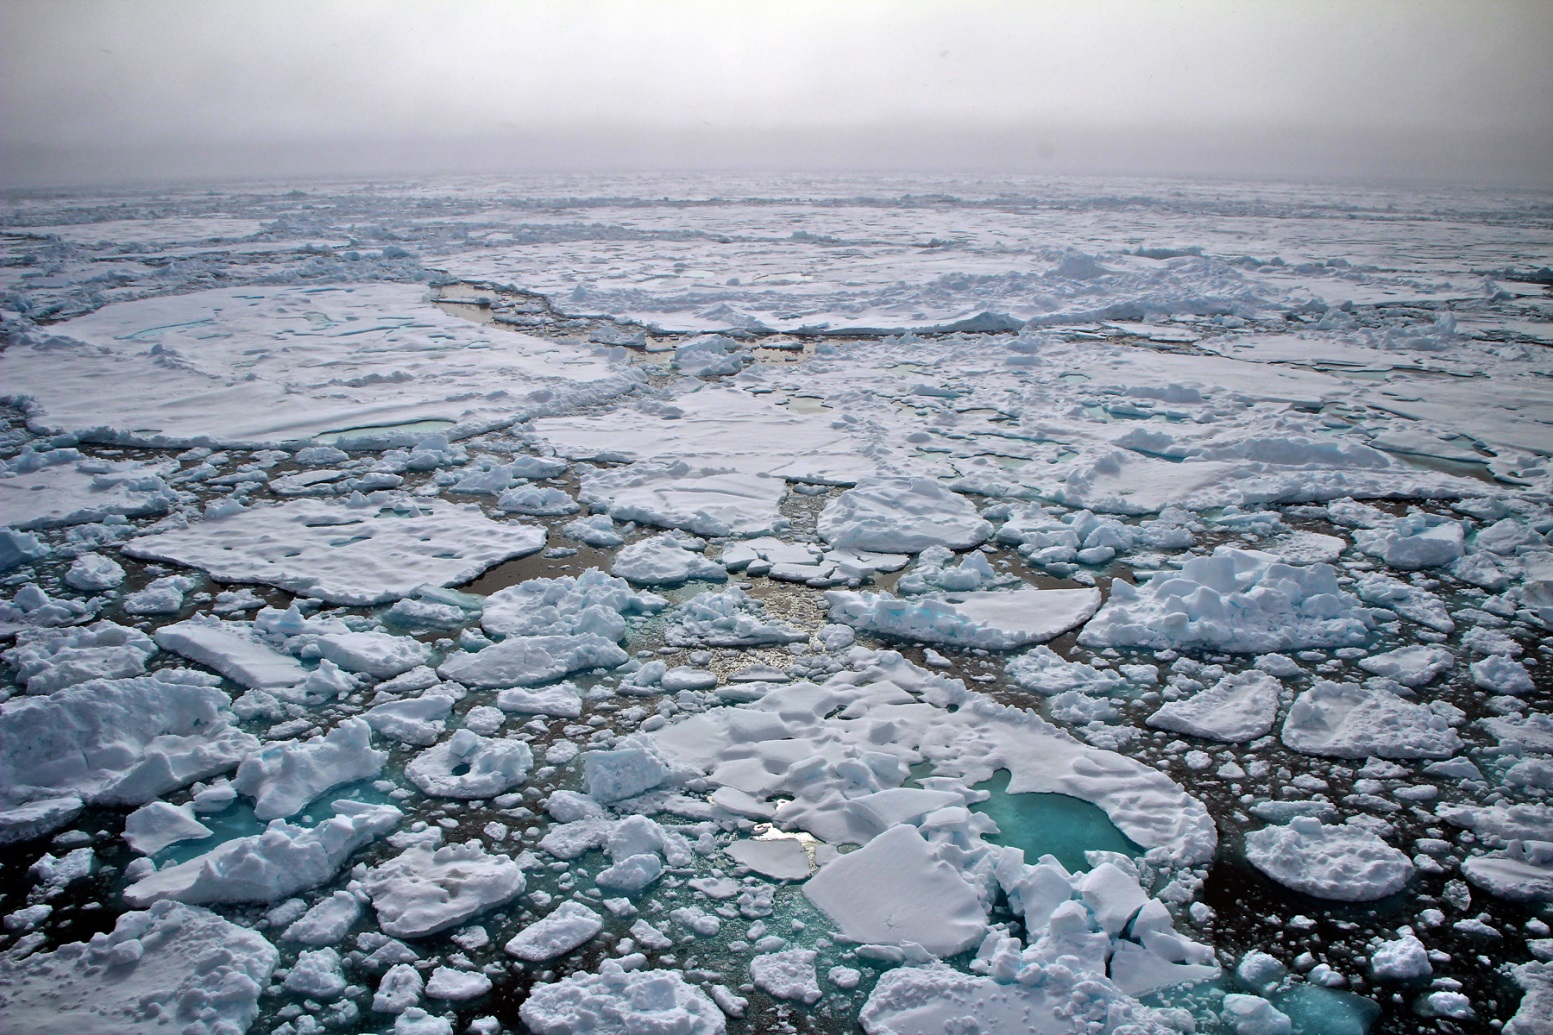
x=568, y=611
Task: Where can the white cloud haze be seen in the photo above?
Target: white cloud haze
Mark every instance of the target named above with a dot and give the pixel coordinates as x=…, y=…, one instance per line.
x=1431, y=90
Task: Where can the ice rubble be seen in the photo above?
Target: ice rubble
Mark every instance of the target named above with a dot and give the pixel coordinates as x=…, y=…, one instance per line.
x=118, y=741
x=285, y=778
x=590, y=603
x=730, y=618
x=1236, y=600
x=616, y=1001
x=47, y=660
x=268, y=867
x=344, y=553
x=997, y=620
x=172, y=967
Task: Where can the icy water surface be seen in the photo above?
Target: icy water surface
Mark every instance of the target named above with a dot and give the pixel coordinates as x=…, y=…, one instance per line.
x=774, y=606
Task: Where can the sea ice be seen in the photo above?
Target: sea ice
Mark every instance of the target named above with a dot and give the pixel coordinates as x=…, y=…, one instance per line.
x=703, y=500
x=1236, y=600
x=341, y=553
x=616, y=1001
x=267, y=867
x=1346, y=720
x=422, y=891
x=531, y=660
x=1343, y=862
x=664, y=560
x=172, y=967
x=467, y=765
x=902, y=515
x=285, y=778
x=567, y=927
x=1236, y=709
x=996, y=620
x=896, y=889
x=119, y=741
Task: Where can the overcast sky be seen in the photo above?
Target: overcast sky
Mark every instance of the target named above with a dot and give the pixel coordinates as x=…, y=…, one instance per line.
x=106, y=91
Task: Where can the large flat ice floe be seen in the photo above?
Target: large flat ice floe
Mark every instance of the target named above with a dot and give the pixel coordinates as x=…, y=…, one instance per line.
x=342, y=553
x=902, y=515
x=276, y=364
x=803, y=745
x=170, y=968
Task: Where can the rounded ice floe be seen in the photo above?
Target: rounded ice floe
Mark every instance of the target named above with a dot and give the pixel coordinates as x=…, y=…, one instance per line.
x=467, y=765
x=283, y=778
x=1235, y=600
x=1415, y=541
x=421, y=891
x=267, y=867
x=1501, y=675
x=787, y=975
x=417, y=721
x=570, y=925
x=155, y=825
x=730, y=618
x=663, y=560
x=781, y=858
x=1238, y=708
x=1523, y=871
x=926, y=1000
x=381, y=655
x=616, y=1001
x=704, y=500
x=457, y=985
x=118, y=742
x=1345, y=863
x=1414, y=665
x=902, y=515
x=1345, y=720
x=562, y=700
x=94, y=573
x=537, y=500
x=1404, y=959
x=316, y=974
x=590, y=603
x=712, y=355
x=170, y=968
x=1253, y=1015
x=531, y=660
x=327, y=922
x=596, y=530
x=996, y=620
x=342, y=553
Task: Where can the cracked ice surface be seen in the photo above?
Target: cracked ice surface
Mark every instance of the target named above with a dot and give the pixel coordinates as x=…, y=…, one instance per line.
x=749, y=606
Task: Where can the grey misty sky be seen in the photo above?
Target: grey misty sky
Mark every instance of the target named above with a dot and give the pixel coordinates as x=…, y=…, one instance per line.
x=109, y=90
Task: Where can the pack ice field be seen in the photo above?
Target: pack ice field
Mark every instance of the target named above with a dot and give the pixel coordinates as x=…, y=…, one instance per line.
x=906, y=606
